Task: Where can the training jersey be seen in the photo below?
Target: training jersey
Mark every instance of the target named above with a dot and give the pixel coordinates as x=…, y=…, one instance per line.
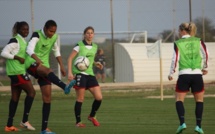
x=191, y=54
x=189, y=50
x=42, y=46
x=16, y=46
x=100, y=58
x=89, y=52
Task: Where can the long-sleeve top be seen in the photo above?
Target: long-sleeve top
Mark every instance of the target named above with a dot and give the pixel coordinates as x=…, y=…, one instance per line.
x=176, y=58
x=12, y=48
x=33, y=41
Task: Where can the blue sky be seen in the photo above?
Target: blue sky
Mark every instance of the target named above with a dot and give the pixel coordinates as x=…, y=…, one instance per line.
x=154, y=16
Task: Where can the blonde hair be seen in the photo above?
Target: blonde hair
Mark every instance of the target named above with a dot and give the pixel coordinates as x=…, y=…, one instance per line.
x=189, y=28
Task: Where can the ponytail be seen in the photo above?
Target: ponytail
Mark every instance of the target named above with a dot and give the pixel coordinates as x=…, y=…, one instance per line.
x=190, y=28
x=15, y=29
x=17, y=26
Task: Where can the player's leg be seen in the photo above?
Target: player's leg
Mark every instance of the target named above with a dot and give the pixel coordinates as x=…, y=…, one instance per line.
x=15, y=95
x=97, y=94
x=43, y=71
x=30, y=94
x=103, y=75
x=198, y=92
x=45, y=87
x=78, y=104
x=98, y=76
x=180, y=111
x=199, y=111
x=182, y=87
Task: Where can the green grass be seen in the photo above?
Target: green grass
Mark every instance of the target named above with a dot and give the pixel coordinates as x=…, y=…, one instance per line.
x=122, y=112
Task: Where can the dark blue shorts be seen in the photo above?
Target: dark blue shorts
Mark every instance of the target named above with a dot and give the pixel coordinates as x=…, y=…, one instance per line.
x=85, y=81
x=190, y=81
x=99, y=71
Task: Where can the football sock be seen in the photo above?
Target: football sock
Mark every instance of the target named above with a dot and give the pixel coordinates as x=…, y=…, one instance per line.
x=95, y=106
x=28, y=103
x=45, y=115
x=78, y=111
x=12, y=111
x=54, y=79
x=198, y=112
x=180, y=111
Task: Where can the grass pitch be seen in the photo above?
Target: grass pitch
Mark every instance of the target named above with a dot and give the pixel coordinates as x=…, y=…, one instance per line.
x=122, y=112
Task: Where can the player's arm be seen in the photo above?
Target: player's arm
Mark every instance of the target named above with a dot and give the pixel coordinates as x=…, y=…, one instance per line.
x=204, y=53
x=98, y=64
x=70, y=62
x=173, y=65
x=31, y=46
x=10, y=51
x=57, y=54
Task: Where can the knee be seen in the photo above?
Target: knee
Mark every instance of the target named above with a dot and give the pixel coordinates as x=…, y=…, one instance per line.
x=32, y=93
x=98, y=98
x=80, y=99
x=47, y=99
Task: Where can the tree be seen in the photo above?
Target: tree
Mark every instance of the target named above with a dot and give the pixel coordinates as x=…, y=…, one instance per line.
x=208, y=35
x=168, y=36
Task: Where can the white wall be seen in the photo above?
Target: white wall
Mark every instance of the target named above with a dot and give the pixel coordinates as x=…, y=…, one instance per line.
x=133, y=65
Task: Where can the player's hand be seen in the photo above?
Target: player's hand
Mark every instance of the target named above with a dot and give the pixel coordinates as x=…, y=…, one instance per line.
x=39, y=62
x=170, y=77
x=63, y=72
x=99, y=65
x=70, y=77
x=21, y=60
x=204, y=72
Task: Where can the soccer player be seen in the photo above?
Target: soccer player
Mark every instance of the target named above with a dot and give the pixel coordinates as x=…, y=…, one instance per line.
x=38, y=49
x=100, y=73
x=85, y=80
x=15, y=53
x=190, y=52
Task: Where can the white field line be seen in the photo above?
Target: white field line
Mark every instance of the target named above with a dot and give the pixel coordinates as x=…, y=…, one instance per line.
x=173, y=96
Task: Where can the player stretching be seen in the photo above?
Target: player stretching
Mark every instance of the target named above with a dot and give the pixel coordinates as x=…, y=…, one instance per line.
x=39, y=48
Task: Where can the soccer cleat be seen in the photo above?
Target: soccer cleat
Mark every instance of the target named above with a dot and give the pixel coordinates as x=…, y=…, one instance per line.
x=27, y=125
x=69, y=86
x=80, y=124
x=94, y=121
x=47, y=131
x=181, y=128
x=199, y=130
x=10, y=129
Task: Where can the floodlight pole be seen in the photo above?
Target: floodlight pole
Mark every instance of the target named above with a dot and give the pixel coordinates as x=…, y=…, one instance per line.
x=32, y=15
x=203, y=20
x=190, y=10
x=129, y=17
x=32, y=27
x=112, y=40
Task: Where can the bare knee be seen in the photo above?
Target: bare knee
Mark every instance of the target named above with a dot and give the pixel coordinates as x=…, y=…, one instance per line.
x=47, y=99
x=98, y=98
x=80, y=99
x=32, y=93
